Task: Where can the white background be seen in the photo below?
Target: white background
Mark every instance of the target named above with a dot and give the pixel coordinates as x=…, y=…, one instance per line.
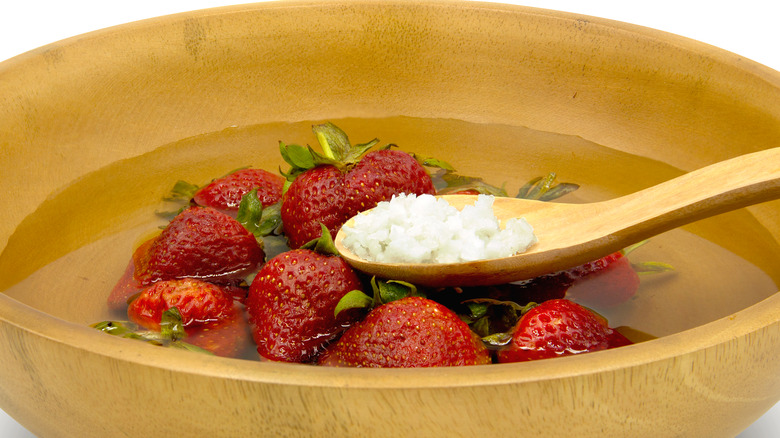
x=748, y=28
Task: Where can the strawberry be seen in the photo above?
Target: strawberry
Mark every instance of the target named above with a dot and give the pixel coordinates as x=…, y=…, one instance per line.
x=315, y=197
x=346, y=180
x=126, y=287
x=559, y=328
x=227, y=337
x=208, y=315
x=225, y=193
x=200, y=242
x=601, y=283
x=612, y=282
x=408, y=332
x=608, y=281
x=198, y=302
x=292, y=302
x=548, y=287
x=381, y=174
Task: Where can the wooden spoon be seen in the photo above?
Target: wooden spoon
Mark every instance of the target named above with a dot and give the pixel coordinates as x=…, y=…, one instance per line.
x=572, y=234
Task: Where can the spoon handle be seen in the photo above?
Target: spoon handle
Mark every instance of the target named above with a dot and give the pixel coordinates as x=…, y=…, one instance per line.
x=727, y=185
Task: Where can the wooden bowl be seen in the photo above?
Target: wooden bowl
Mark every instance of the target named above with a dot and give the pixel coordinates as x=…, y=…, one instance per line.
x=96, y=128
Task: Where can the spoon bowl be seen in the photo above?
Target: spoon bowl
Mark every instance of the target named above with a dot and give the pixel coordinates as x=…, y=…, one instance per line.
x=571, y=234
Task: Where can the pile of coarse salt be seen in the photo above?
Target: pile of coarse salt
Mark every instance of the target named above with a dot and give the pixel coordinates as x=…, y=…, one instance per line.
x=426, y=229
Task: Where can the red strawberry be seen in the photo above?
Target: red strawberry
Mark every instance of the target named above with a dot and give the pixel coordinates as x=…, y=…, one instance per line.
x=612, y=283
x=209, y=316
x=559, y=328
x=225, y=193
x=292, y=301
x=381, y=174
x=409, y=332
x=200, y=242
x=198, y=303
x=315, y=197
x=579, y=272
x=126, y=287
x=330, y=189
x=607, y=281
x=228, y=337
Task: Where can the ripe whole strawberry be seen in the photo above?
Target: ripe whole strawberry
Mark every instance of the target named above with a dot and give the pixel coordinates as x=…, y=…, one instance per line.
x=198, y=302
x=227, y=337
x=559, y=328
x=409, y=332
x=200, y=242
x=292, y=302
x=611, y=280
x=602, y=283
x=209, y=316
x=610, y=283
x=381, y=174
x=315, y=197
x=224, y=194
x=332, y=188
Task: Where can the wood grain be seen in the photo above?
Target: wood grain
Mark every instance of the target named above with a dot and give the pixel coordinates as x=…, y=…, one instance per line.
x=80, y=105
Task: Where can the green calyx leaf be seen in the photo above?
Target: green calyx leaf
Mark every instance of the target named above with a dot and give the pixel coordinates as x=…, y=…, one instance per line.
x=180, y=196
x=499, y=339
x=171, y=325
x=182, y=190
x=487, y=316
x=336, y=151
x=258, y=220
x=544, y=188
x=189, y=347
x=476, y=309
x=447, y=181
x=297, y=156
x=271, y=220
x=300, y=159
x=454, y=183
x=334, y=142
x=250, y=212
x=433, y=162
x=384, y=291
x=171, y=334
x=355, y=299
x=645, y=268
x=323, y=244
x=336, y=146
x=118, y=328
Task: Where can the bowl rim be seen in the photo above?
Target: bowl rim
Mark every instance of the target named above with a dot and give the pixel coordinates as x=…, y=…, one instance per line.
x=496, y=5
x=754, y=318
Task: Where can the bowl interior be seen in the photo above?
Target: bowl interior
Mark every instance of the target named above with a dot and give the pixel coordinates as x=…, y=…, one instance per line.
x=50, y=263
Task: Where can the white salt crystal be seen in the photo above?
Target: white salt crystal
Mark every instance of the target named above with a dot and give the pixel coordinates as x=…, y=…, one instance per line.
x=426, y=229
